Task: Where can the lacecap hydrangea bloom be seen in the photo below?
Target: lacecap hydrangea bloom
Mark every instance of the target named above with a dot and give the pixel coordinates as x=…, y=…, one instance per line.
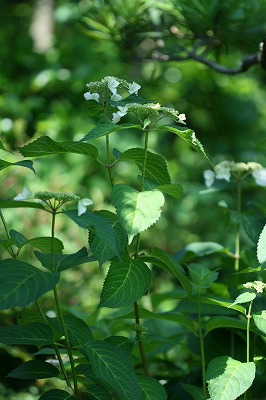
x=228, y=170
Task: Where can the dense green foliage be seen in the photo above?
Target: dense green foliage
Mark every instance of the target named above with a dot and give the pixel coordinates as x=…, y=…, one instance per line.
x=177, y=308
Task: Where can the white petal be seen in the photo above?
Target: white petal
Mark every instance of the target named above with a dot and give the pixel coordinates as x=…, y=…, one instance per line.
x=24, y=195
x=260, y=176
x=116, y=118
x=86, y=202
x=82, y=205
x=122, y=109
x=112, y=84
x=209, y=177
x=91, y=96
x=116, y=97
x=133, y=88
x=182, y=117
x=223, y=173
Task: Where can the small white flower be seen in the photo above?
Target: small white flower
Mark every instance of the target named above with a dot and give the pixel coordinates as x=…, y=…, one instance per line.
x=82, y=204
x=122, y=111
x=209, y=177
x=116, y=97
x=223, y=172
x=260, y=176
x=182, y=117
x=133, y=88
x=24, y=195
x=116, y=118
x=91, y=96
x=112, y=84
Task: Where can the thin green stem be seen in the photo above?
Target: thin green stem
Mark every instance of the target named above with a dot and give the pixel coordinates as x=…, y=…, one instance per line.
x=237, y=239
x=249, y=316
x=57, y=352
x=13, y=254
x=202, y=353
x=59, y=313
x=109, y=165
x=140, y=344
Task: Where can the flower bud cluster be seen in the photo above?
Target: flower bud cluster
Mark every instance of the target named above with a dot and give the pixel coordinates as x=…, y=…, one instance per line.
x=227, y=169
x=258, y=286
x=62, y=197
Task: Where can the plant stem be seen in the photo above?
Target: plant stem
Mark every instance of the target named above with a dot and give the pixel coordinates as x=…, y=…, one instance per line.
x=202, y=353
x=237, y=240
x=57, y=352
x=109, y=165
x=248, y=337
x=59, y=313
x=13, y=254
x=136, y=310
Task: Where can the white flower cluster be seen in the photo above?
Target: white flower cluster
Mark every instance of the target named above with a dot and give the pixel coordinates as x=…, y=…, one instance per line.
x=60, y=197
x=258, y=286
x=227, y=169
x=107, y=89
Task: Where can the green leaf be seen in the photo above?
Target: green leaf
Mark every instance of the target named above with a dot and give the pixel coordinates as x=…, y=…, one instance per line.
x=30, y=334
x=105, y=127
x=137, y=211
x=197, y=249
x=175, y=191
x=98, y=393
x=194, y=391
x=156, y=166
x=18, y=238
x=64, y=261
x=20, y=204
x=228, y=378
x=2, y=147
x=160, y=258
x=99, y=248
x=189, y=136
x=244, y=298
x=121, y=342
x=34, y=369
x=151, y=389
x=224, y=322
x=24, y=163
x=202, y=277
x=44, y=146
x=218, y=302
x=22, y=283
x=57, y=394
x=261, y=248
x=260, y=320
x=78, y=331
x=44, y=244
x=168, y=316
x=127, y=281
x=113, y=368
x=100, y=226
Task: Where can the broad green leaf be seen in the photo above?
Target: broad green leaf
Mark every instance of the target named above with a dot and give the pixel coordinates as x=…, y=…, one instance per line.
x=78, y=331
x=137, y=211
x=156, y=166
x=57, y=394
x=244, y=298
x=24, y=163
x=99, y=248
x=18, y=238
x=44, y=244
x=22, y=283
x=175, y=191
x=64, y=261
x=126, y=282
x=168, y=316
x=202, y=277
x=260, y=320
x=2, y=147
x=189, y=136
x=121, y=342
x=20, y=204
x=105, y=127
x=261, y=248
x=151, y=389
x=113, y=368
x=34, y=369
x=160, y=258
x=218, y=302
x=194, y=391
x=98, y=393
x=224, y=322
x=44, y=146
x=100, y=226
x=31, y=334
x=7, y=244
x=228, y=378
x=197, y=249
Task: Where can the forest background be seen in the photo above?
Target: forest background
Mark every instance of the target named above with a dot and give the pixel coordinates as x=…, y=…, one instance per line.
x=199, y=57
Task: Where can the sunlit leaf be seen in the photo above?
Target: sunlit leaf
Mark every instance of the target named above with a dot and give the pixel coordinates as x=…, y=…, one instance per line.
x=260, y=320
x=261, y=248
